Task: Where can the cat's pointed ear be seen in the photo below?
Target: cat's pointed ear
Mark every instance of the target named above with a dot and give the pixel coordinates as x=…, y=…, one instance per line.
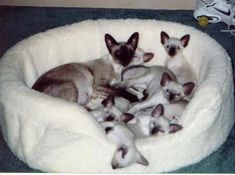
x=148, y=56
x=110, y=42
x=166, y=78
x=108, y=129
x=140, y=159
x=133, y=40
x=188, y=88
x=120, y=152
x=123, y=151
x=155, y=130
x=126, y=117
x=175, y=127
x=109, y=101
x=164, y=37
x=185, y=39
x=158, y=111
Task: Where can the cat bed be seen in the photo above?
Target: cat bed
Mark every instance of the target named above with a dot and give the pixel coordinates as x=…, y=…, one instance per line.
x=53, y=135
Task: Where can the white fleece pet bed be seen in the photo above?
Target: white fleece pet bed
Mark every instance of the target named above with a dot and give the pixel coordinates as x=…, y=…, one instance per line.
x=58, y=136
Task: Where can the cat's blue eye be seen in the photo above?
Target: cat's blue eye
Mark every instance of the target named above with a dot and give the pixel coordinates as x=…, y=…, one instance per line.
x=177, y=95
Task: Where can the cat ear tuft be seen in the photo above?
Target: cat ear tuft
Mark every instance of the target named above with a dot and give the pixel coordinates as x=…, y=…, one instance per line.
x=158, y=111
x=107, y=129
x=133, y=40
x=141, y=160
x=188, y=88
x=123, y=150
x=148, y=56
x=110, y=42
x=185, y=39
x=126, y=117
x=109, y=101
x=164, y=37
x=175, y=127
x=166, y=78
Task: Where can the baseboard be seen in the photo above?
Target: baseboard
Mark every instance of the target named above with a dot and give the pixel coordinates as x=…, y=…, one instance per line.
x=132, y=4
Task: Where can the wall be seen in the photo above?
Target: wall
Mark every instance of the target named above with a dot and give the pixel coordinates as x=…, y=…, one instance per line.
x=136, y=4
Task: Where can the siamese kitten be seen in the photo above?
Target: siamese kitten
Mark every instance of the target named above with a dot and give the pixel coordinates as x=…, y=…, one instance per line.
x=80, y=82
x=161, y=86
x=126, y=152
x=138, y=123
x=150, y=121
x=108, y=111
x=160, y=123
x=176, y=61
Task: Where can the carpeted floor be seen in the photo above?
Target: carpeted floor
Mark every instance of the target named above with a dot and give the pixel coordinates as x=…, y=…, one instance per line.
x=17, y=23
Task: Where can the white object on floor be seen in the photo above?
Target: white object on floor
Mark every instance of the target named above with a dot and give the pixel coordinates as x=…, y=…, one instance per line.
x=58, y=136
x=216, y=11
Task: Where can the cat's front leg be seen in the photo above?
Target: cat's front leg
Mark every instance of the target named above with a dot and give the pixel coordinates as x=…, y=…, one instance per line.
x=123, y=84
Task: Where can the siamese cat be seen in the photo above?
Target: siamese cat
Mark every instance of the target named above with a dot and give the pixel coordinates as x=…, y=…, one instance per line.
x=151, y=121
x=126, y=152
x=80, y=82
x=176, y=61
x=107, y=111
x=161, y=86
x=160, y=123
x=110, y=117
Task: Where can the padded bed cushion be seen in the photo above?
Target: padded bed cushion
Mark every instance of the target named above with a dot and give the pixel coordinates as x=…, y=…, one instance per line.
x=58, y=136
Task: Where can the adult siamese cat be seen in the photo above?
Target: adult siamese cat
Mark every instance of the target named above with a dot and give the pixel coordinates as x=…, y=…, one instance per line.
x=80, y=82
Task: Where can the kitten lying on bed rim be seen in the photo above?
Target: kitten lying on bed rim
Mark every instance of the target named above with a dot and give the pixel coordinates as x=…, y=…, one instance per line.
x=126, y=152
x=80, y=82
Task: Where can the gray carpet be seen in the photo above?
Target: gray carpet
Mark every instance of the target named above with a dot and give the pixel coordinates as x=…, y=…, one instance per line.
x=17, y=23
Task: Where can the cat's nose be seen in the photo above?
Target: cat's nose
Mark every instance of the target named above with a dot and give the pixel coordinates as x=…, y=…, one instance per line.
x=114, y=166
x=172, y=51
x=171, y=97
x=155, y=130
x=109, y=118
